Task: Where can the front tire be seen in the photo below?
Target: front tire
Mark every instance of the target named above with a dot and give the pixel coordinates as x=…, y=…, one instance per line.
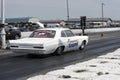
x=82, y=45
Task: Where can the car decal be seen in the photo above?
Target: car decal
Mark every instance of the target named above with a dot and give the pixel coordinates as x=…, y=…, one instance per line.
x=72, y=43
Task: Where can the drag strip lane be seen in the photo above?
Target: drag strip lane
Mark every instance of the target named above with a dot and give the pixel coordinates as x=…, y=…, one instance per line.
x=19, y=66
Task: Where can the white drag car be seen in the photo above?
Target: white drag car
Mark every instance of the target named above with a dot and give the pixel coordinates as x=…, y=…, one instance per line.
x=49, y=40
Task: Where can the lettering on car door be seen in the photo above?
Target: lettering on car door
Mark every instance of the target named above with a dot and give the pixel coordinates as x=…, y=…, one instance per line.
x=72, y=43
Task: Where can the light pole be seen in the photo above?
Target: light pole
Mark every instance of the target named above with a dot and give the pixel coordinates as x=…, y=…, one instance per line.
x=102, y=7
x=3, y=34
x=3, y=11
x=68, y=12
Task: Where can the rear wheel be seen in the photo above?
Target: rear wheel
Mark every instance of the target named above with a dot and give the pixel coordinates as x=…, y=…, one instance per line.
x=59, y=50
x=82, y=45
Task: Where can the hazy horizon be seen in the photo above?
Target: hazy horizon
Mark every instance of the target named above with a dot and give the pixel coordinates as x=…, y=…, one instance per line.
x=57, y=9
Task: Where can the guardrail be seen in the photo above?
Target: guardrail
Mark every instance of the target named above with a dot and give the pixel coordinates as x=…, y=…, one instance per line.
x=79, y=31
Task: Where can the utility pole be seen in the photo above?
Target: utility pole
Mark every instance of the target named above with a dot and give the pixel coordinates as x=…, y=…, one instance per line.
x=102, y=13
x=3, y=33
x=68, y=12
x=102, y=7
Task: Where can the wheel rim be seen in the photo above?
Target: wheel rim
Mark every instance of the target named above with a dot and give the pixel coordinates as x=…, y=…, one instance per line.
x=83, y=45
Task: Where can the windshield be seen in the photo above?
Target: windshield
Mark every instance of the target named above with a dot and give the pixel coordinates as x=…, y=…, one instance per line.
x=43, y=34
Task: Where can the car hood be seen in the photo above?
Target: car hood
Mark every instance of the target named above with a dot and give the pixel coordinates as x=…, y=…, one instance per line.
x=31, y=40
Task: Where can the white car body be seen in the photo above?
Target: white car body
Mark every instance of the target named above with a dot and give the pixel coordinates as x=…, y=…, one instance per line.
x=63, y=37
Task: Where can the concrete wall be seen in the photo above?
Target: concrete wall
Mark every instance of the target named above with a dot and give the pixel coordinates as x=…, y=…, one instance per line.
x=78, y=31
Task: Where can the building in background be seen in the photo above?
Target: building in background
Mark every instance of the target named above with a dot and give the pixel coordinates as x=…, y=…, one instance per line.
x=93, y=22
x=75, y=22
x=115, y=23
x=32, y=23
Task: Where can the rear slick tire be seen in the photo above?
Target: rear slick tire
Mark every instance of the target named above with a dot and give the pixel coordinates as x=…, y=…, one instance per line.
x=59, y=51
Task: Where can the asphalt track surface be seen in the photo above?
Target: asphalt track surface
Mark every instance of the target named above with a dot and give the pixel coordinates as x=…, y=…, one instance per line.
x=19, y=67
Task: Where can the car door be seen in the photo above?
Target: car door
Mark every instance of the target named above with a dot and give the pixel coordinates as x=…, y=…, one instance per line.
x=69, y=40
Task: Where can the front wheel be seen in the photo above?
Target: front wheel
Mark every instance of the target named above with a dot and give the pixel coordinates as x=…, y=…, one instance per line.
x=82, y=45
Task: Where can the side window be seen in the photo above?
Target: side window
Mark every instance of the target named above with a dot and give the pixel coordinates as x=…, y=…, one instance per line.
x=63, y=34
x=69, y=33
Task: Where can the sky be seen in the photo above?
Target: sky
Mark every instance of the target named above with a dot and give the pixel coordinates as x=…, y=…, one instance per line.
x=57, y=9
